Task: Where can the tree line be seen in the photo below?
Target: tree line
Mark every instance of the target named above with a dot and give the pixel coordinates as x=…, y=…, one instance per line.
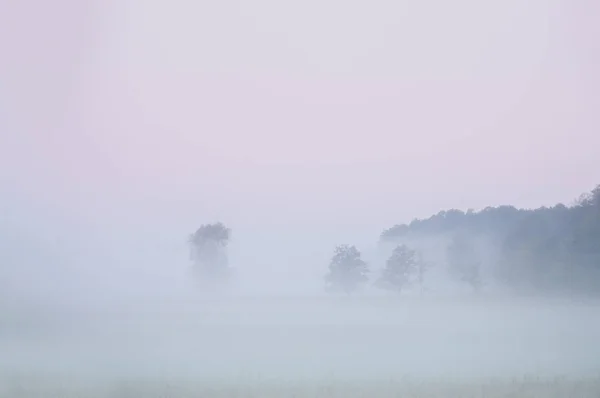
x=549, y=248
x=347, y=272
x=554, y=249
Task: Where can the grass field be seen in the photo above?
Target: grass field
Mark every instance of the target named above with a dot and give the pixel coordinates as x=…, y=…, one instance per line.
x=306, y=348
x=526, y=387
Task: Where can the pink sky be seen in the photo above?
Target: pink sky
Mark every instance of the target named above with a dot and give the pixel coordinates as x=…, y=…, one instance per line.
x=321, y=112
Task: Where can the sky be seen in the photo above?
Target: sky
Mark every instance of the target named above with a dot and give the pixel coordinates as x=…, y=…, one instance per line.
x=290, y=121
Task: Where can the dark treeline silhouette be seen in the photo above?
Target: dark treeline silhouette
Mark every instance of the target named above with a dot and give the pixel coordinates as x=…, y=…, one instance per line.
x=549, y=248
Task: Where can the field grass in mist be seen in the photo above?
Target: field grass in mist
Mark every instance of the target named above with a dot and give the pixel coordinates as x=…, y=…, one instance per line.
x=524, y=387
x=305, y=346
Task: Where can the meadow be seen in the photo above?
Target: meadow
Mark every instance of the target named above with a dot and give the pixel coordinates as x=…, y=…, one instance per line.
x=526, y=387
x=306, y=347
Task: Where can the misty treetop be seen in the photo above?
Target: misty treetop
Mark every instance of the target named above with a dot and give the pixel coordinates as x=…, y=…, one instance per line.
x=216, y=233
x=549, y=248
x=348, y=272
x=208, y=250
x=399, y=269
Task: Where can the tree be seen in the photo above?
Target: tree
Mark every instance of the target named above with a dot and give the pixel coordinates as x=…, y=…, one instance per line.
x=208, y=250
x=463, y=262
x=399, y=269
x=347, y=270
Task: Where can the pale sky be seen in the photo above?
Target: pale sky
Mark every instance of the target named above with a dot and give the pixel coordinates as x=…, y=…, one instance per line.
x=278, y=117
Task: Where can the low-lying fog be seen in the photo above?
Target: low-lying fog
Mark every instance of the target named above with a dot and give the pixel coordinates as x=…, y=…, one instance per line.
x=140, y=321
x=311, y=337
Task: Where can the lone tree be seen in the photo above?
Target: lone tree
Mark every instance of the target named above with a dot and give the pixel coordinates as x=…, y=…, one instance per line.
x=208, y=250
x=463, y=262
x=399, y=269
x=347, y=270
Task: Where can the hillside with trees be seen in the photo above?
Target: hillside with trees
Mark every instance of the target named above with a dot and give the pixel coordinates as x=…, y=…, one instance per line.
x=551, y=249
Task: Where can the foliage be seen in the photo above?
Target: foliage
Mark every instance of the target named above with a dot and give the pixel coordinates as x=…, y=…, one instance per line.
x=399, y=269
x=549, y=248
x=211, y=233
x=208, y=252
x=347, y=270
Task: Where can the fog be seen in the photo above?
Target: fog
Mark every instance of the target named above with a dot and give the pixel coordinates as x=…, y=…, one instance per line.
x=125, y=126
x=83, y=304
x=140, y=314
x=298, y=339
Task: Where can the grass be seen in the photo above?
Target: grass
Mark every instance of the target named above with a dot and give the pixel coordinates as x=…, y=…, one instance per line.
x=526, y=387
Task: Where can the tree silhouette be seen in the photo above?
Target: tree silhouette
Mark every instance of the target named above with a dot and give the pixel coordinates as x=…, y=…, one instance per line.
x=399, y=269
x=208, y=250
x=347, y=270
